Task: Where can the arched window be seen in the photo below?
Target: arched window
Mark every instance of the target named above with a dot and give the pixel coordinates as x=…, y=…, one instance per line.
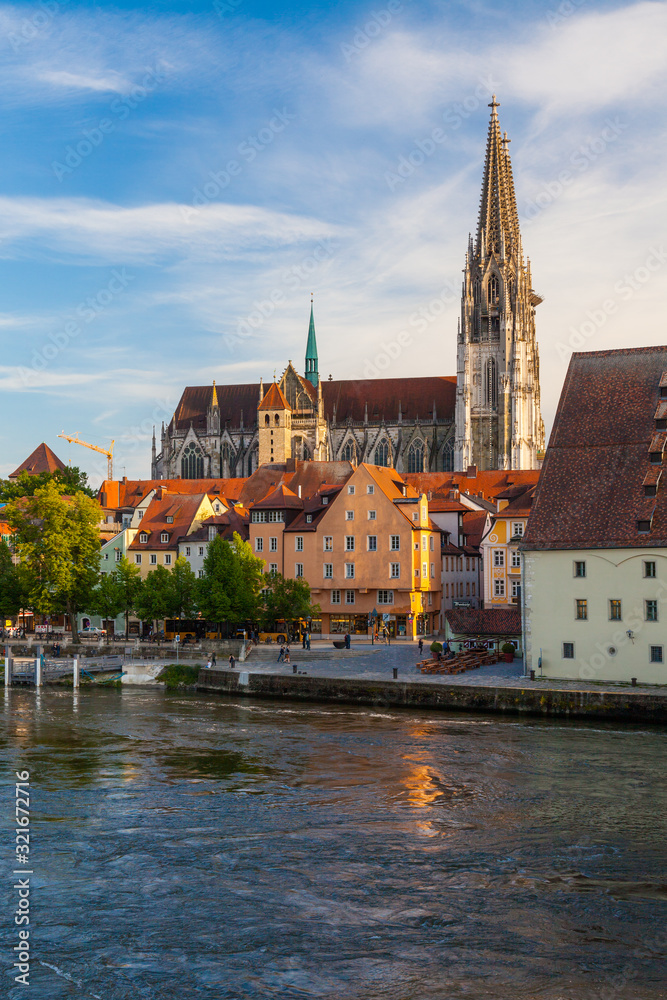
x=494, y=288
x=448, y=456
x=475, y=291
x=491, y=383
x=350, y=452
x=267, y=420
x=416, y=457
x=300, y=449
x=227, y=461
x=276, y=419
x=192, y=463
x=382, y=454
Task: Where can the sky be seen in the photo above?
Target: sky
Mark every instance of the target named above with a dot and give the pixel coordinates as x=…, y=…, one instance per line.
x=176, y=179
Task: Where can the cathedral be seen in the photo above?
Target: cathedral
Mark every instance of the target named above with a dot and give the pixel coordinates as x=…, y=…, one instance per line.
x=488, y=415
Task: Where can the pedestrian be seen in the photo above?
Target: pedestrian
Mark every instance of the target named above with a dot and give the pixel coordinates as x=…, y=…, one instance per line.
x=232, y=661
x=287, y=659
x=348, y=640
x=213, y=661
x=208, y=665
x=307, y=640
x=281, y=654
x=421, y=645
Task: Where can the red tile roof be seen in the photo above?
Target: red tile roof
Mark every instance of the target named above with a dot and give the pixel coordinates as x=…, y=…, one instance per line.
x=41, y=460
x=590, y=494
x=183, y=508
x=484, y=622
x=274, y=399
x=489, y=483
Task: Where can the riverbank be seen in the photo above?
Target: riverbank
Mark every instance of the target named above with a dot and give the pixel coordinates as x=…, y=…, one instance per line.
x=537, y=698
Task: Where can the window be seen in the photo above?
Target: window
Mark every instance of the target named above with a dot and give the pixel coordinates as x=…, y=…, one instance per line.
x=651, y=611
x=137, y=559
x=498, y=557
x=425, y=570
x=516, y=559
x=259, y=545
x=493, y=289
x=273, y=568
x=650, y=490
x=309, y=518
x=325, y=501
x=394, y=542
x=349, y=571
x=614, y=611
x=143, y=537
x=395, y=571
x=499, y=588
x=258, y=516
x=655, y=654
x=192, y=463
x=167, y=559
x=431, y=543
x=517, y=529
x=169, y=519
x=372, y=515
x=415, y=517
x=580, y=569
x=349, y=543
x=581, y=613
x=212, y=532
x=516, y=588
x=491, y=383
x=424, y=544
x=349, y=452
x=140, y=514
x=298, y=543
x=349, y=597
x=118, y=555
x=261, y=516
x=328, y=543
x=649, y=570
x=335, y=596
x=385, y=596
x=201, y=574
x=152, y=559
x=187, y=550
x=416, y=456
x=643, y=527
x=298, y=570
x=370, y=490
x=349, y=515
x=350, y=491
x=328, y=571
x=273, y=544
x=372, y=543
x=201, y=550
x=433, y=571
x=568, y=650
x=382, y=454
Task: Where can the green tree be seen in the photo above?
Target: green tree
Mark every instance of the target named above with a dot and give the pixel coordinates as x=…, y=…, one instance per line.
x=248, y=597
x=286, y=599
x=155, y=600
x=107, y=598
x=68, y=481
x=58, y=542
x=130, y=583
x=183, y=590
x=10, y=595
x=222, y=579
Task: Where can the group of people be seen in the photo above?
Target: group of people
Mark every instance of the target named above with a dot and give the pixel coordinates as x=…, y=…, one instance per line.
x=284, y=654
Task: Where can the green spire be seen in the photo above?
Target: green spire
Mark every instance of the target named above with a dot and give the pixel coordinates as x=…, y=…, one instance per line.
x=312, y=373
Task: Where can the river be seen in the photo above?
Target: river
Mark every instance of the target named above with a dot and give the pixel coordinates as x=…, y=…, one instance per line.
x=186, y=846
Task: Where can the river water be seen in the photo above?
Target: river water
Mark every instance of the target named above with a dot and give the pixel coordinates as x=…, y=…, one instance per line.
x=188, y=846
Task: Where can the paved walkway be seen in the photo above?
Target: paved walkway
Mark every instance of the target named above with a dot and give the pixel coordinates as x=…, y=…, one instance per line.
x=378, y=662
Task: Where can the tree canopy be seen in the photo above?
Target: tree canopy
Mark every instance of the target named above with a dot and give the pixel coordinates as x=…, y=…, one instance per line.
x=68, y=481
x=230, y=588
x=286, y=599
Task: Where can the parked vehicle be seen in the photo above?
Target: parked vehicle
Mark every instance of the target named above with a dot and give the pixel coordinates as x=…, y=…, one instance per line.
x=92, y=633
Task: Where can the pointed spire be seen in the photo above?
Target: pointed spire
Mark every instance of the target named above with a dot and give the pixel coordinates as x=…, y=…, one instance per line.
x=261, y=389
x=214, y=397
x=312, y=365
x=498, y=227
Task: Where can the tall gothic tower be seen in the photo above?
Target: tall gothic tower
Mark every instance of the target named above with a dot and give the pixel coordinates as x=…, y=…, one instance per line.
x=498, y=419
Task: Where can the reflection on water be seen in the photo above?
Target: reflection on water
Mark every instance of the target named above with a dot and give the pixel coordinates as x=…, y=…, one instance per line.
x=186, y=846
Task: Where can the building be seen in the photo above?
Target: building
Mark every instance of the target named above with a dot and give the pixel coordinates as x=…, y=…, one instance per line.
x=500, y=547
x=488, y=415
x=42, y=459
x=498, y=419
x=595, y=550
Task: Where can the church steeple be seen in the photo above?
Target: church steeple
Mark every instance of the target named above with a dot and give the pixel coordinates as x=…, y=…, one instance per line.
x=498, y=225
x=312, y=364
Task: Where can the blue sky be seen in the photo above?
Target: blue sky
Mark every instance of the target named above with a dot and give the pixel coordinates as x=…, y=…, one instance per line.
x=176, y=179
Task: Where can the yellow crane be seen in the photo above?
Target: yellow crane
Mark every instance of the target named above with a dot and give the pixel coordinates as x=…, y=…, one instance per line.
x=93, y=447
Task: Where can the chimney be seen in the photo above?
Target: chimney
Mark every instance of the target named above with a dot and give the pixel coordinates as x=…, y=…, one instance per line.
x=299, y=491
x=471, y=472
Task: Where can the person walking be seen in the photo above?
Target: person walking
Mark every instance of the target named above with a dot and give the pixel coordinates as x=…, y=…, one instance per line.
x=213, y=661
x=281, y=654
x=287, y=659
x=232, y=661
x=308, y=640
x=421, y=645
x=348, y=640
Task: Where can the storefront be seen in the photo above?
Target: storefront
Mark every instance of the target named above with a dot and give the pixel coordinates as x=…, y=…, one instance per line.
x=354, y=624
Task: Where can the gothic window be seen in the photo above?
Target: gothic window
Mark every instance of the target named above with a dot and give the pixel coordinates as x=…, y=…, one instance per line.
x=382, y=454
x=510, y=289
x=192, y=463
x=493, y=290
x=276, y=420
x=475, y=291
x=350, y=452
x=300, y=449
x=448, y=456
x=267, y=420
x=491, y=383
x=416, y=457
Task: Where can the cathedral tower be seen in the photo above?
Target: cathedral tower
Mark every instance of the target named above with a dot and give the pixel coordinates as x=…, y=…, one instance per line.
x=498, y=419
x=274, y=426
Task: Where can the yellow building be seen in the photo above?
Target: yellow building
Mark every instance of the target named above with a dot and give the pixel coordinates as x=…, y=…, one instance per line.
x=500, y=548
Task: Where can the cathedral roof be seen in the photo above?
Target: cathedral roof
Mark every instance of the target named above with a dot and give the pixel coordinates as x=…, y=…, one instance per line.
x=234, y=402
x=386, y=397
x=592, y=489
x=274, y=399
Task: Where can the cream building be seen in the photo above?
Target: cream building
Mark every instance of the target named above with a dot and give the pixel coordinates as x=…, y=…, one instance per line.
x=595, y=551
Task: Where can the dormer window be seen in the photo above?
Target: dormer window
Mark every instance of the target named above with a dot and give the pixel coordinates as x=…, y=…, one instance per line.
x=140, y=514
x=325, y=501
x=169, y=519
x=643, y=527
x=650, y=490
x=164, y=537
x=309, y=518
x=655, y=457
x=143, y=537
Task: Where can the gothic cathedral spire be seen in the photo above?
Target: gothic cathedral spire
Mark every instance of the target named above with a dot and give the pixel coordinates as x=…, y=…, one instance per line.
x=312, y=364
x=498, y=419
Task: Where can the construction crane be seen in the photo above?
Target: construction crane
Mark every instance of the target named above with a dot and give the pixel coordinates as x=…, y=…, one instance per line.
x=93, y=447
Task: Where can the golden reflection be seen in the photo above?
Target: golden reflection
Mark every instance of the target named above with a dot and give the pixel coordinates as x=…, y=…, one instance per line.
x=421, y=786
